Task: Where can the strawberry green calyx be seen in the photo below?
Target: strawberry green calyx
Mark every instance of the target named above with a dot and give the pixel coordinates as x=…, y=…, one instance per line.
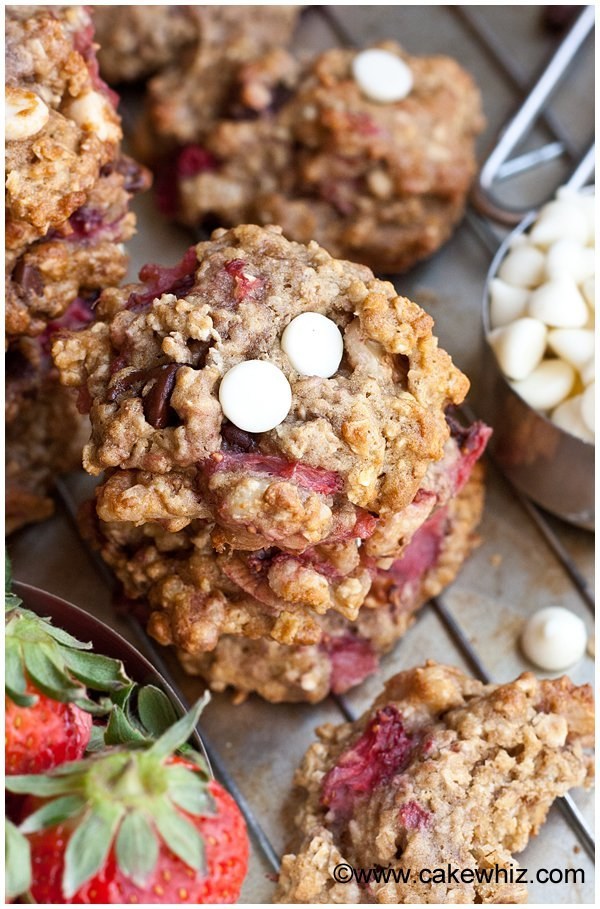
x=55, y=662
x=128, y=801
x=17, y=862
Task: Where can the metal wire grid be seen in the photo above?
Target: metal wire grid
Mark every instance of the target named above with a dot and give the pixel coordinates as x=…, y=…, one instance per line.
x=482, y=230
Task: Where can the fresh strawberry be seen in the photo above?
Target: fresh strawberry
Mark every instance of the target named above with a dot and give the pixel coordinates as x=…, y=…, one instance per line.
x=134, y=824
x=47, y=708
x=45, y=735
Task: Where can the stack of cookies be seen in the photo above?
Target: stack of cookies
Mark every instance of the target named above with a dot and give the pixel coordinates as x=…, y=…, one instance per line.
x=68, y=187
x=283, y=485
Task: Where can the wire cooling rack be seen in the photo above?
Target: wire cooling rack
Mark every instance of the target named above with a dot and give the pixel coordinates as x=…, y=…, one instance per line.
x=527, y=558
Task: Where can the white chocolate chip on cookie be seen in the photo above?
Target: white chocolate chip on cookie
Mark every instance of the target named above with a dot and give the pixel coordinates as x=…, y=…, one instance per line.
x=93, y=113
x=314, y=345
x=382, y=76
x=25, y=113
x=255, y=395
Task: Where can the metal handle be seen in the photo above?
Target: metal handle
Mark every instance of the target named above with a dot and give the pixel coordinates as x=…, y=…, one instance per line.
x=517, y=127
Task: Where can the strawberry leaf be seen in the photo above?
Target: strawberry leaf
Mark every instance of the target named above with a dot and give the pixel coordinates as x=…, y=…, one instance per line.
x=137, y=848
x=50, y=680
x=41, y=785
x=155, y=710
x=121, y=730
x=189, y=791
x=180, y=732
x=17, y=863
x=98, y=672
x=180, y=835
x=96, y=742
x=58, y=664
x=11, y=601
x=52, y=813
x=89, y=846
x=62, y=636
x=15, y=683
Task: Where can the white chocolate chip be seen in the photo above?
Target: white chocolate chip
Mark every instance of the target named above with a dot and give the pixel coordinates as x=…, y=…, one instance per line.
x=588, y=371
x=554, y=638
x=588, y=289
x=523, y=266
x=507, y=303
x=568, y=416
x=587, y=203
x=519, y=347
x=568, y=258
x=575, y=345
x=94, y=113
x=548, y=278
x=518, y=240
x=255, y=395
x=314, y=345
x=558, y=219
x=547, y=385
x=588, y=407
x=559, y=304
x=25, y=113
x=382, y=76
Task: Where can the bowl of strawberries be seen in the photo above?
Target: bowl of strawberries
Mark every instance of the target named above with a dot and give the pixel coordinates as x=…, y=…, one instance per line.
x=109, y=794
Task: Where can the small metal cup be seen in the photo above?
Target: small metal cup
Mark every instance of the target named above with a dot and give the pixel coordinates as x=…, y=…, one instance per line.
x=552, y=467
x=105, y=640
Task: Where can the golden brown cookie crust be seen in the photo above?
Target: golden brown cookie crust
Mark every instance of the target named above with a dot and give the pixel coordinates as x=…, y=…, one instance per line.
x=137, y=41
x=304, y=147
x=366, y=435
x=284, y=673
x=67, y=184
x=202, y=601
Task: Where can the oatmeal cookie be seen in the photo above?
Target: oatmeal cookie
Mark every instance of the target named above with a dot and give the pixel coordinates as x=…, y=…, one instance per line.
x=350, y=447
x=323, y=150
x=77, y=258
x=349, y=651
x=441, y=770
x=294, y=588
x=198, y=594
x=137, y=41
x=44, y=433
x=67, y=183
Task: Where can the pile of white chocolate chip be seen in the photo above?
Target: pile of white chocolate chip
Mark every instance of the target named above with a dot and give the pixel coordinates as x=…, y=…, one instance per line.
x=542, y=313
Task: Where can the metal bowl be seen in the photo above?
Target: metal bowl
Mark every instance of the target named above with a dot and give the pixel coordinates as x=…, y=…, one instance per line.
x=104, y=640
x=551, y=466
